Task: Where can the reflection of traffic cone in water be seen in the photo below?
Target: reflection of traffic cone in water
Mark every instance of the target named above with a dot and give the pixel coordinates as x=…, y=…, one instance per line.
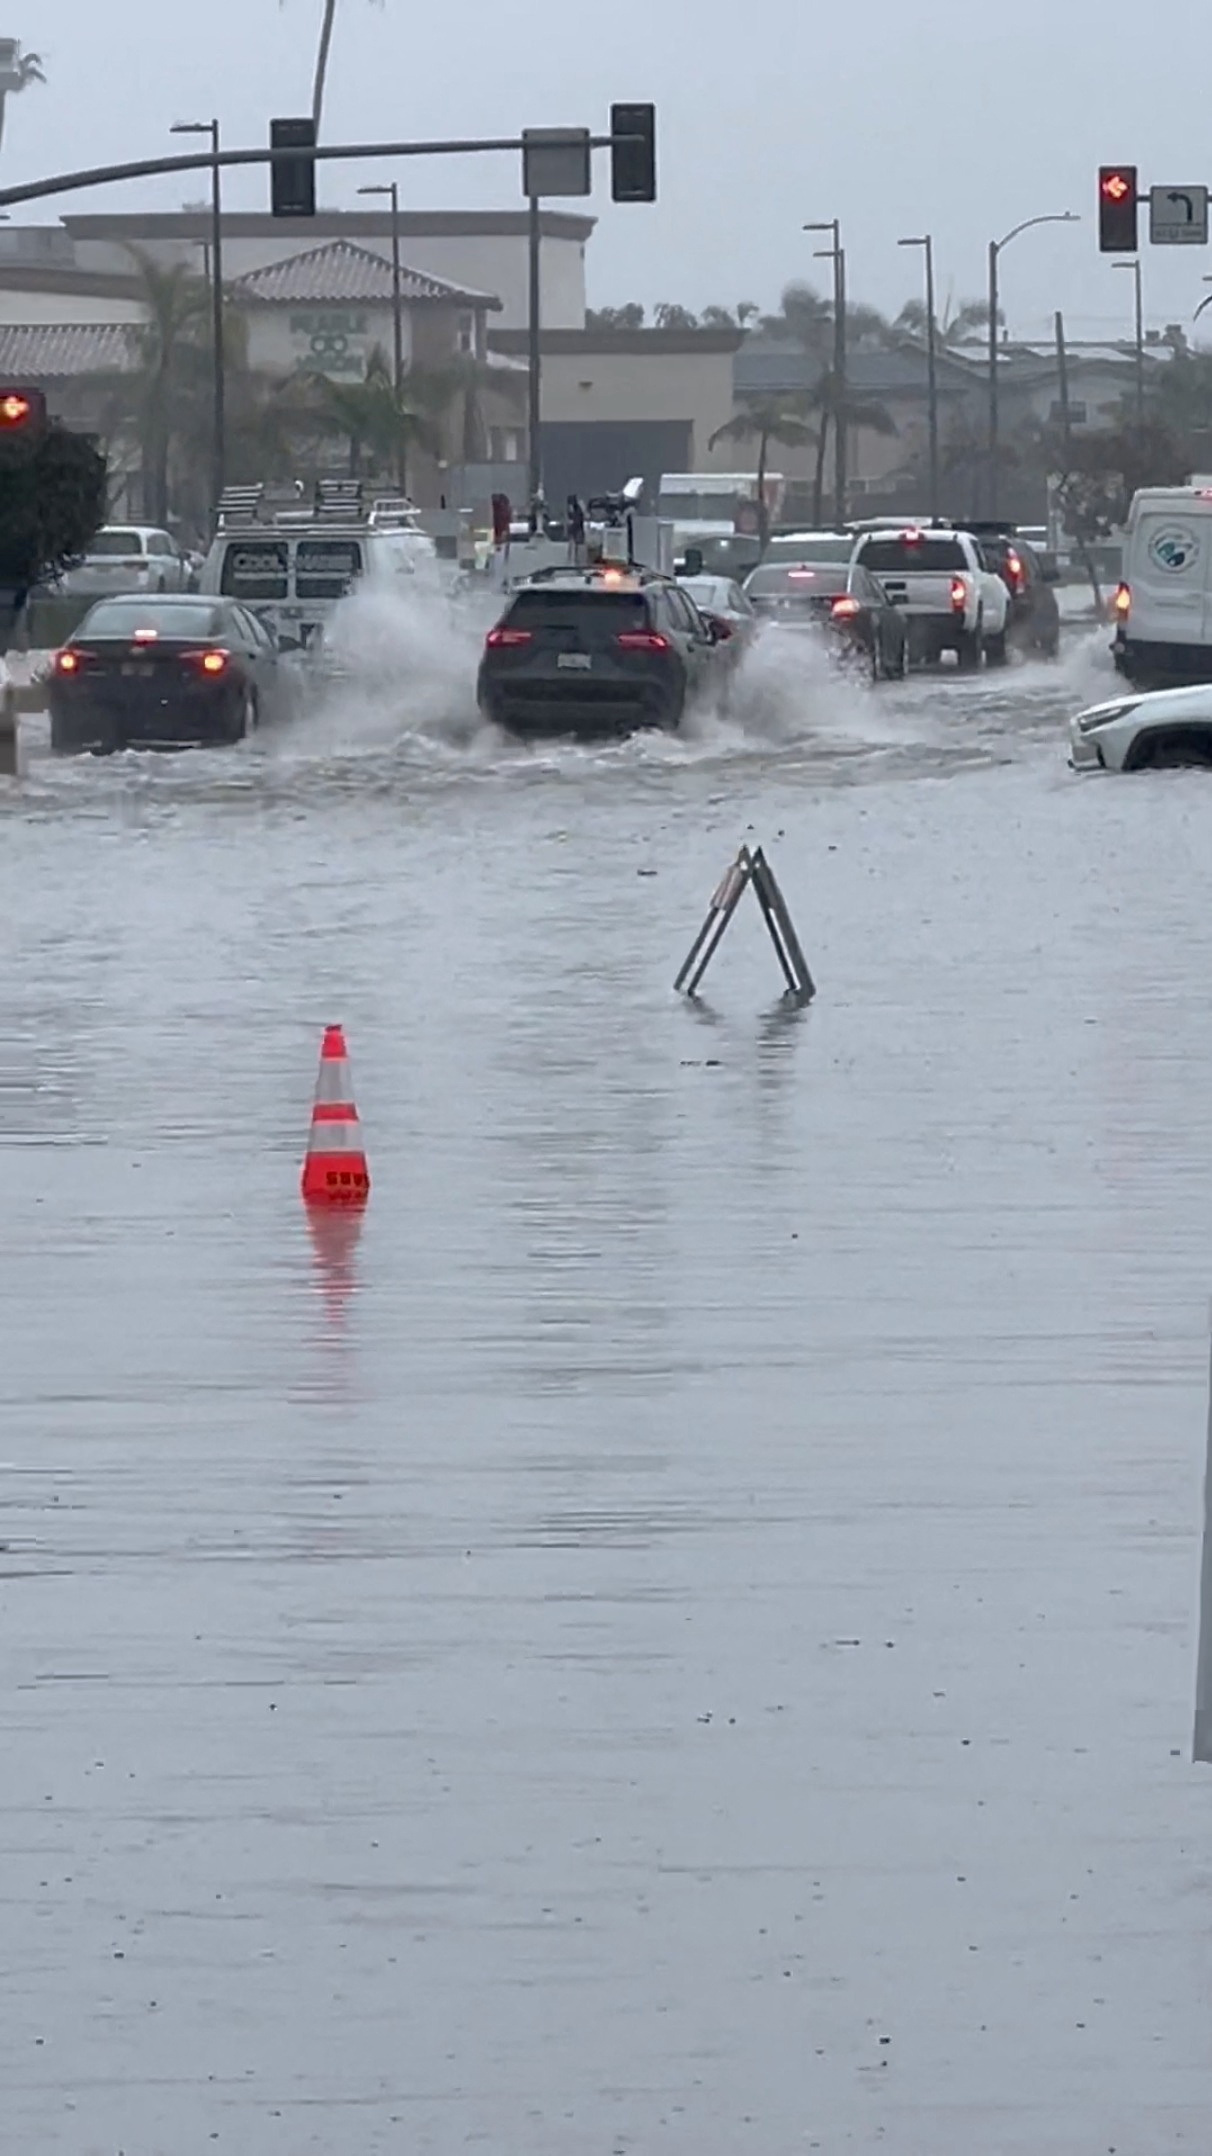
x=335, y=1232
x=335, y=1171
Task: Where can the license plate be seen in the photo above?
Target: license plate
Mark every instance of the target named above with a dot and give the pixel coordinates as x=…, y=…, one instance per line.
x=135, y=666
x=576, y=662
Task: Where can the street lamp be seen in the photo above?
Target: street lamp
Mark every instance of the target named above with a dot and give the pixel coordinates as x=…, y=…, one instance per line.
x=926, y=243
x=837, y=255
x=996, y=247
x=1134, y=266
x=397, y=304
x=218, y=466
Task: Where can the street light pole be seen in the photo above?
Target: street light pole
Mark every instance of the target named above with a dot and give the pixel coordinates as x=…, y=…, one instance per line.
x=534, y=357
x=926, y=243
x=996, y=248
x=1134, y=266
x=218, y=467
x=836, y=255
x=397, y=311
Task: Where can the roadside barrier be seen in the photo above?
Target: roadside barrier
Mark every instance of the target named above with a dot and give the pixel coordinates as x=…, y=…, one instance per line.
x=749, y=868
x=335, y=1170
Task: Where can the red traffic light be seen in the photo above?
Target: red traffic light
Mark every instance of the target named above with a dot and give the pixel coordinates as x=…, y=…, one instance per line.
x=22, y=411
x=1117, y=202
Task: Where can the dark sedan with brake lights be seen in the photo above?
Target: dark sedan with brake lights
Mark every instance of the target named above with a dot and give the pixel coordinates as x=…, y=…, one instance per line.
x=175, y=671
x=840, y=599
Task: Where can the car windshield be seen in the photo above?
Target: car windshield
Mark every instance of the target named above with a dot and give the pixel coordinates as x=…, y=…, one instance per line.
x=157, y=617
x=912, y=553
x=799, y=581
x=116, y=542
x=255, y=569
x=592, y=611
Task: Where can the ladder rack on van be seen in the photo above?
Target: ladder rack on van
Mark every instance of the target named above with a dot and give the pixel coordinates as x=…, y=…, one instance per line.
x=285, y=505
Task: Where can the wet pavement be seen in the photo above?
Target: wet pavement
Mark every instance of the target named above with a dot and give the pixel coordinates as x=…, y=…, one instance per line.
x=678, y=1635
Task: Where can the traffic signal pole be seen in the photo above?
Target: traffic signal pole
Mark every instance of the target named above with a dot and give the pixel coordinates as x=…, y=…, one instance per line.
x=66, y=183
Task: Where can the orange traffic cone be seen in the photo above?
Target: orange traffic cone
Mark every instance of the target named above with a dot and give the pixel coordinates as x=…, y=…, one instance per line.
x=335, y=1171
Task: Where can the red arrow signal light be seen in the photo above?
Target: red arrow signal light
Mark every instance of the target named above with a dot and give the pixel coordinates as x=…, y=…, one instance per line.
x=1117, y=203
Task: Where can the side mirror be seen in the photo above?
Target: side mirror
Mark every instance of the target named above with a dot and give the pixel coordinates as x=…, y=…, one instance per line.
x=286, y=642
x=719, y=630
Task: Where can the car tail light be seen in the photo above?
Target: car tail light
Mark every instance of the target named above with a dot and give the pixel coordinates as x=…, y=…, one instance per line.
x=503, y=639
x=641, y=640
x=844, y=609
x=208, y=662
x=1122, y=602
x=1014, y=570
x=959, y=595
x=145, y=636
x=67, y=662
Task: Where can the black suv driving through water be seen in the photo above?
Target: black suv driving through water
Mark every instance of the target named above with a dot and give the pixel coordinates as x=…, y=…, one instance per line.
x=597, y=650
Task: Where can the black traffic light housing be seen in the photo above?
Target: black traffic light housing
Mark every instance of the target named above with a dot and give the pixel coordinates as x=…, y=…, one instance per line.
x=292, y=184
x=633, y=159
x=1117, y=219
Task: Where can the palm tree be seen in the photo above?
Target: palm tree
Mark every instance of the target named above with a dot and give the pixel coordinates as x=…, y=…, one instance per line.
x=737, y=317
x=152, y=398
x=27, y=68
x=373, y=418
x=764, y=420
x=833, y=403
x=457, y=392
x=320, y=79
x=956, y=325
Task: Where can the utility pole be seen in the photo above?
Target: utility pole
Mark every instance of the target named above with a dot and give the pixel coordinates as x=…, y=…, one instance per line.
x=1134, y=266
x=534, y=367
x=836, y=255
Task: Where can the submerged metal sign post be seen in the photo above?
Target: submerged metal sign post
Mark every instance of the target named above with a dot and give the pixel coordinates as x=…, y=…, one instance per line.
x=749, y=868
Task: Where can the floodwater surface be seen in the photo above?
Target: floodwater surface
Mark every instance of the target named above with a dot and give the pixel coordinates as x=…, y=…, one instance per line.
x=676, y=1632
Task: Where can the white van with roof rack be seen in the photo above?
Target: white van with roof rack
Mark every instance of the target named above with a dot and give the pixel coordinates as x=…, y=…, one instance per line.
x=292, y=558
x=1163, y=607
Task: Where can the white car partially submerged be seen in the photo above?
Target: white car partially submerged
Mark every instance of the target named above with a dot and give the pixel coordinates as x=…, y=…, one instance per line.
x=1145, y=731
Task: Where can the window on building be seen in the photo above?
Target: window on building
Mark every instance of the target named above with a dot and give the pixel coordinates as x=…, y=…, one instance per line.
x=467, y=333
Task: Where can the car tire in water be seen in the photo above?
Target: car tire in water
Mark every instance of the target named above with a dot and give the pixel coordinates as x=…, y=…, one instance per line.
x=968, y=650
x=245, y=721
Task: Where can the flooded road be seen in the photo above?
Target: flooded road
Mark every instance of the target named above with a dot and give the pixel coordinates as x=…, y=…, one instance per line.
x=678, y=1635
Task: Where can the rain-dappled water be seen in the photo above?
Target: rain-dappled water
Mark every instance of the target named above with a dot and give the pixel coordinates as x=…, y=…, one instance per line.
x=677, y=1634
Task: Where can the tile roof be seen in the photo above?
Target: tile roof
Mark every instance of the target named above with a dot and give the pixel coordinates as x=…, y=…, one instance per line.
x=341, y=271
x=58, y=351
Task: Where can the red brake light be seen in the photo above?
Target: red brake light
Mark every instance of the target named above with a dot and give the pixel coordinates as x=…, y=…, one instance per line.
x=959, y=595
x=211, y=662
x=1014, y=569
x=641, y=640
x=912, y=538
x=844, y=608
x=67, y=662
x=504, y=639
x=1122, y=602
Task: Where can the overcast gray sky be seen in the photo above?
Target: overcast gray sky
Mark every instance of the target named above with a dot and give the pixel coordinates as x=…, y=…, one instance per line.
x=898, y=116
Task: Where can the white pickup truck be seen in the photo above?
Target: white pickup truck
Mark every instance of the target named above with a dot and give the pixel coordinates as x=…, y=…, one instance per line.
x=938, y=579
